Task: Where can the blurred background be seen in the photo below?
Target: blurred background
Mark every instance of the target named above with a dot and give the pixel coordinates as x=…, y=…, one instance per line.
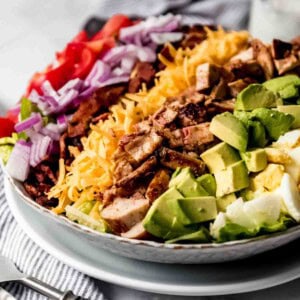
x=32, y=30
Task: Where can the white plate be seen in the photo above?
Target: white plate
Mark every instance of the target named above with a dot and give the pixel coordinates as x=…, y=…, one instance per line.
x=270, y=269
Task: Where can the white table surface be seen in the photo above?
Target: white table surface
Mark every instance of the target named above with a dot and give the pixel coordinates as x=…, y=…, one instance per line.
x=30, y=33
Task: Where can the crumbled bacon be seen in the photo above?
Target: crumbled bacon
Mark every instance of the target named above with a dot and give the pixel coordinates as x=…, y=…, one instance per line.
x=88, y=108
x=143, y=72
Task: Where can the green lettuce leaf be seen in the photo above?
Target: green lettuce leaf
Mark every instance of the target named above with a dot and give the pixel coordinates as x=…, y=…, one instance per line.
x=231, y=231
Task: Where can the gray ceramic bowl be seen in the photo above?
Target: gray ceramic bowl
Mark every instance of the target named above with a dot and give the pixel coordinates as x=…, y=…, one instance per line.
x=164, y=253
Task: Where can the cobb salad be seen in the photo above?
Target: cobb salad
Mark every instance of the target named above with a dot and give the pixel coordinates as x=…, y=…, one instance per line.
x=151, y=129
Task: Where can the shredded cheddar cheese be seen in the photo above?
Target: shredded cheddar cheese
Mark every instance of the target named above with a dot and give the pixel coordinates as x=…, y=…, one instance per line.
x=91, y=172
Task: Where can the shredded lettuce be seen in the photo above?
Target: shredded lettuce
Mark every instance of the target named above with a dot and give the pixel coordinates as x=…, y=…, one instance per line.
x=233, y=231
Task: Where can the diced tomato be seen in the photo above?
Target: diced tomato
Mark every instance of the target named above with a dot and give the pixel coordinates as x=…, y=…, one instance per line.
x=80, y=37
x=6, y=127
x=79, y=56
x=85, y=63
x=101, y=45
x=112, y=26
x=12, y=115
x=60, y=75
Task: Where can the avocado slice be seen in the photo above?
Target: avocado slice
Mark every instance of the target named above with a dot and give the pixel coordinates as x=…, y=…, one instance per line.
x=256, y=131
x=256, y=159
x=257, y=134
x=243, y=116
x=293, y=110
x=286, y=85
x=256, y=95
x=200, y=236
x=230, y=130
x=247, y=194
x=162, y=219
x=198, y=209
x=232, y=179
x=186, y=183
x=288, y=92
x=276, y=123
x=223, y=202
x=220, y=157
x=208, y=182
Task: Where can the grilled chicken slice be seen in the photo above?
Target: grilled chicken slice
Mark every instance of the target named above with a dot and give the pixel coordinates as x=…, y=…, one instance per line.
x=197, y=135
x=124, y=213
x=206, y=76
x=136, y=232
x=139, y=174
x=173, y=159
x=142, y=145
x=158, y=185
x=263, y=56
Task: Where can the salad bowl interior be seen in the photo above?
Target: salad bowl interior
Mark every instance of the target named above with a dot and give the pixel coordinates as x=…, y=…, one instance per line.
x=153, y=251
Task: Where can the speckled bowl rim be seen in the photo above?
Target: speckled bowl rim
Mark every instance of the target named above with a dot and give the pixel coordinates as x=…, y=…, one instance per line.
x=86, y=230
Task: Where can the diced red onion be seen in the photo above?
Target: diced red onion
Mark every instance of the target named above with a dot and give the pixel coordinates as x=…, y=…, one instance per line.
x=83, y=95
x=100, y=72
x=139, y=34
x=162, y=38
x=52, y=102
x=115, y=55
x=48, y=90
x=40, y=148
x=67, y=99
x=74, y=84
x=146, y=54
x=114, y=80
x=127, y=63
x=34, y=120
x=18, y=162
x=128, y=34
x=119, y=72
x=53, y=134
x=62, y=120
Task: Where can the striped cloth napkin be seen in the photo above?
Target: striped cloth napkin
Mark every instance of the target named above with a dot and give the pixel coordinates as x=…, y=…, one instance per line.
x=32, y=260
x=14, y=243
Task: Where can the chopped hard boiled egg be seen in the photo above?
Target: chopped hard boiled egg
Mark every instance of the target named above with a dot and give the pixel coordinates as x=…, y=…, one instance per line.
x=245, y=219
x=290, y=194
x=293, y=168
x=267, y=180
x=290, y=139
x=219, y=223
x=236, y=214
x=277, y=156
x=265, y=209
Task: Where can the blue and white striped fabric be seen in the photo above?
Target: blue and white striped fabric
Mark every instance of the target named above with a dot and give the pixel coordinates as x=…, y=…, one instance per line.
x=32, y=260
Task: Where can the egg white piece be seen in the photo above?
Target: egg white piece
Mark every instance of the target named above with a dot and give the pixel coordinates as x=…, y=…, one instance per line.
x=265, y=209
x=293, y=168
x=236, y=214
x=290, y=194
x=219, y=223
x=289, y=139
